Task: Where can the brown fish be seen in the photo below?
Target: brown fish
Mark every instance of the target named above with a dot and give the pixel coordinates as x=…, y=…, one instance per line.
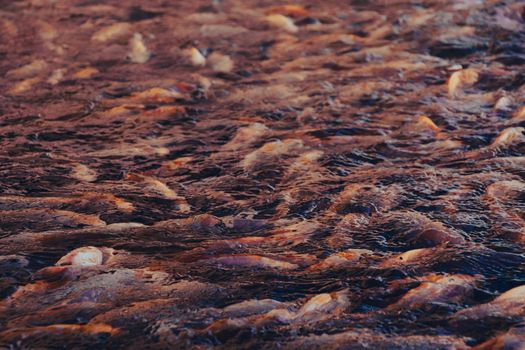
x=436, y=289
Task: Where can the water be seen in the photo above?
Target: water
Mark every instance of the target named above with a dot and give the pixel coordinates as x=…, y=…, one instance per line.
x=294, y=164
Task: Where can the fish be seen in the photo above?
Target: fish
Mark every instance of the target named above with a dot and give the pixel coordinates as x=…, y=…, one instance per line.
x=414, y=256
x=55, y=332
x=435, y=289
x=245, y=136
x=342, y=259
x=271, y=150
x=260, y=175
x=318, y=308
x=461, y=79
x=80, y=202
x=112, y=32
x=87, y=256
x=255, y=261
x=366, y=199
x=139, y=53
x=507, y=304
x=512, y=339
x=364, y=339
x=13, y=220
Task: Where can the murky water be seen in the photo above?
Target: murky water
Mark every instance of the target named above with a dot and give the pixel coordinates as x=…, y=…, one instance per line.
x=260, y=175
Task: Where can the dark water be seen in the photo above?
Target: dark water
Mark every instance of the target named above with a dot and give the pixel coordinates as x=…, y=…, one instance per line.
x=250, y=180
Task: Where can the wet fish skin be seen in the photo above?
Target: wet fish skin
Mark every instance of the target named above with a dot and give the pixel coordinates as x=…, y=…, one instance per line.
x=436, y=289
